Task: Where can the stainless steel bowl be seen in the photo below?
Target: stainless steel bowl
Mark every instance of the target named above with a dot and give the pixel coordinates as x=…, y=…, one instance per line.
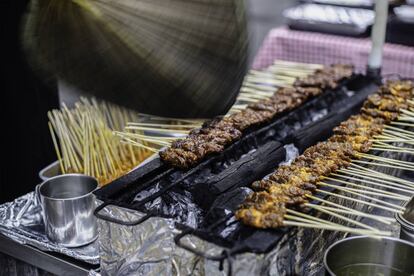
x=68, y=203
x=361, y=256
x=406, y=222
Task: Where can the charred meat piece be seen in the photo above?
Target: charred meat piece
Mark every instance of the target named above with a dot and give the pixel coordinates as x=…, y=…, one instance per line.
x=220, y=132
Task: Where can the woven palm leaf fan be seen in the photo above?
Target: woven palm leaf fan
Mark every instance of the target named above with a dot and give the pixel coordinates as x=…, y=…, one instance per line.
x=180, y=58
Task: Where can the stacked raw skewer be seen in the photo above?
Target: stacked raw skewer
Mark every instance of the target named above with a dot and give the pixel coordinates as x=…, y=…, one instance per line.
x=278, y=200
x=84, y=140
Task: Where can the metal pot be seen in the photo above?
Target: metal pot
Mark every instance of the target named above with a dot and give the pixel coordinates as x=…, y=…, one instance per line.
x=68, y=203
x=406, y=221
x=370, y=256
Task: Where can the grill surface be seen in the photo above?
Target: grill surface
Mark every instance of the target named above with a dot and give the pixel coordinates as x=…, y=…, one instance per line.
x=220, y=180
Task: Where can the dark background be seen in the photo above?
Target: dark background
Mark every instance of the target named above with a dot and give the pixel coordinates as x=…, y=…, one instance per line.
x=25, y=139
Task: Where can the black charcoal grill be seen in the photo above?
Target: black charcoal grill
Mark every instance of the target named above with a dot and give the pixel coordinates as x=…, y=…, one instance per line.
x=155, y=187
x=201, y=201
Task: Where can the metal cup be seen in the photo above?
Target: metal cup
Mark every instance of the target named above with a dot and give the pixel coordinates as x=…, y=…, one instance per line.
x=406, y=221
x=68, y=203
x=370, y=256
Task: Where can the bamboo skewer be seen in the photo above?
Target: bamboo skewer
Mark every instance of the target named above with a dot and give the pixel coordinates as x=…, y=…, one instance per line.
x=387, y=160
x=361, y=201
x=396, y=129
x=383, y=165
x=364, y=190
x=402, y=124
x=383, y=175
x=363, y=225
x=382, y=145
x=340, y=207
x=309, y=217
x=335, y=228
x=386, y=220
x=390, y=185
x=358, y=193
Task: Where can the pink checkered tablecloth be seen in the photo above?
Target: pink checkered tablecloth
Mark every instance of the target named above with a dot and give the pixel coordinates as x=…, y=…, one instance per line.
x=308, y=47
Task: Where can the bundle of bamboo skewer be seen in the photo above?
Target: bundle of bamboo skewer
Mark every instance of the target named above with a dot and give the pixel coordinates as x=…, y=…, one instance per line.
x=85, y=143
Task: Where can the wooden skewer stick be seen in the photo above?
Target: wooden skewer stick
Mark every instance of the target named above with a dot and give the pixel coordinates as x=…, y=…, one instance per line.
x=62, y=169
x=360, y=193
x=383, y=165
x=386, y=220
x=361, y=201
x=248, y=100
x=387, y=160
x=355, y=222
x=405, y=119
x=392, y=140
x=368, y=190
x=275, y=81
x=310, y=66
x=134, y=143
x=352, y=211
x=335, y=228
x=411, y=114
x=382, y=175
x=377, y=182
x=249, y=91
x=156, y=129
x=402, y=124
x=411, y=133
x=383, y=144
x=391, y=150
x=140, y=137
x=252, y=96
x=402, y=135
x=309, y=217
x=262, y=87
x=173, y=126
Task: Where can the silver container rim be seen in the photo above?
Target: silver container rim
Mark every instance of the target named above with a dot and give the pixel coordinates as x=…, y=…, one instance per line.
x=69, y=175
x=325, y=263
x=403, y=222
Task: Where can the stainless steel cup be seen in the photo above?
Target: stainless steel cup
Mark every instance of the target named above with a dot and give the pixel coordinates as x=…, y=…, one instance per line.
x=68, y=203
x=406, y=221
x=370, y=256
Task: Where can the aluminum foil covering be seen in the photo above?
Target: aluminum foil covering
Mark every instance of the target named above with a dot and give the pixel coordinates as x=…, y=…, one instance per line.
x=149, y=248
x=291, y=153
x=145, y=249
x=21, y=220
